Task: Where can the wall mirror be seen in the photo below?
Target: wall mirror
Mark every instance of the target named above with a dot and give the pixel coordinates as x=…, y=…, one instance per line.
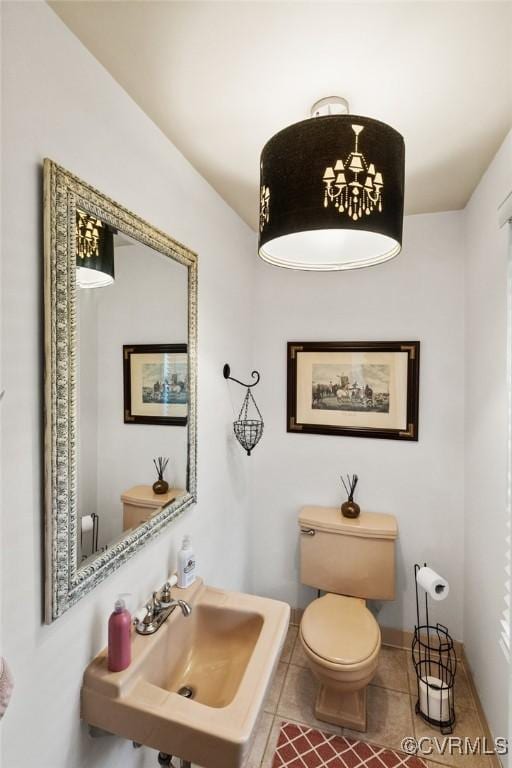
x=120, y=384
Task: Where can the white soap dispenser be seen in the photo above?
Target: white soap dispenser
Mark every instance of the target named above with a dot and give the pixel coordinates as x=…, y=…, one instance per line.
x=186, y=564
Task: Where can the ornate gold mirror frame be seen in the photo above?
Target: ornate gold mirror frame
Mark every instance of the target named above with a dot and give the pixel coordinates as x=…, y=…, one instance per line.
x=67, y=581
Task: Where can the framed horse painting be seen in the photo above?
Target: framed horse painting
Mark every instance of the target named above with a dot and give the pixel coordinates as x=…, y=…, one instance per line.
x=355, y=388
x=155, y=384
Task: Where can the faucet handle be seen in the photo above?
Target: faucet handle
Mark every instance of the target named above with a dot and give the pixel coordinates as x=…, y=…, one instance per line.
x=157, y=605
x=165, y=594
x=150, y=614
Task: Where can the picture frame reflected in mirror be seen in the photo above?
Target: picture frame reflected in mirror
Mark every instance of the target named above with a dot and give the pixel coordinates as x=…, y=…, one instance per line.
x=155, y=384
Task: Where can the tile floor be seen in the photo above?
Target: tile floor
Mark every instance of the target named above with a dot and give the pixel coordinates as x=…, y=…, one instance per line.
x=391, y=700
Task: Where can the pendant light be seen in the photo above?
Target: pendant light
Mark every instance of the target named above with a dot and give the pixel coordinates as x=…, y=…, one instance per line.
x=94, y=252
x=331, y=191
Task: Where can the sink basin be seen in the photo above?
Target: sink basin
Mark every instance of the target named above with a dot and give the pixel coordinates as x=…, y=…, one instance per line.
x=210, y=654
x=223, y=656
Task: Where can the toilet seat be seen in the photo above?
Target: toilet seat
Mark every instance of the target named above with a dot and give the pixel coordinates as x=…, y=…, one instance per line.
x=341, y=631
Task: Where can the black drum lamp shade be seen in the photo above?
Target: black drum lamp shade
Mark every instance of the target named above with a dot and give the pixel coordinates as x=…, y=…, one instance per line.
x=94, y=252
x=331, y=194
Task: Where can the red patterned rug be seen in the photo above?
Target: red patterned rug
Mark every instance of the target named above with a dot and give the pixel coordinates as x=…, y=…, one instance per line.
x=302, y=747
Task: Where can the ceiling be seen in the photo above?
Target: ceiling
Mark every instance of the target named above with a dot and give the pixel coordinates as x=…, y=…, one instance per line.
x=220, y=78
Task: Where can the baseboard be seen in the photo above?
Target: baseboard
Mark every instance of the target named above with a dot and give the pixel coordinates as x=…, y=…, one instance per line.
x=495, y=759
x=296, y=616
x=402, y=638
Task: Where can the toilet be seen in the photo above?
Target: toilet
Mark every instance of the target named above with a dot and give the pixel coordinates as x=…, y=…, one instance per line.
x=351, y=560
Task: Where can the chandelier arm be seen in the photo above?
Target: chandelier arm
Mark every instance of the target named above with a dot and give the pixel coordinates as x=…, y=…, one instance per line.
x=334, y=191
x=373, y=199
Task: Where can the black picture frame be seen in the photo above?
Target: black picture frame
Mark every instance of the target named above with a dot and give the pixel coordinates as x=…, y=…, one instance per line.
x=131, y=350
x=412, y=348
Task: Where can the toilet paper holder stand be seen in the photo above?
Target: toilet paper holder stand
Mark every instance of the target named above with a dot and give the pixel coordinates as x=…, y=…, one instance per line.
x=435, y=663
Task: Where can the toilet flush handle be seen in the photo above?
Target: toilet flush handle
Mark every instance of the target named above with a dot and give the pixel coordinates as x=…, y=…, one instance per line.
x=308, y=531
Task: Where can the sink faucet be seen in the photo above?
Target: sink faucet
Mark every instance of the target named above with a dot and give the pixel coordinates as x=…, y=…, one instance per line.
x=158, y=609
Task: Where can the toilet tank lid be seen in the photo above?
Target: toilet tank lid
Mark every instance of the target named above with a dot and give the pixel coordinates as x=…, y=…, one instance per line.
x=374, y=525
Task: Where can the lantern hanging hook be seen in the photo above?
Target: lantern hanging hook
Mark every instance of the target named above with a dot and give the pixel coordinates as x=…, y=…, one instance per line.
x=227, y=375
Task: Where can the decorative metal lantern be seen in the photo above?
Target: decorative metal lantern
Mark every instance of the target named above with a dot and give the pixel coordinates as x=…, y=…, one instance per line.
x=248, y=431
x=332, y=191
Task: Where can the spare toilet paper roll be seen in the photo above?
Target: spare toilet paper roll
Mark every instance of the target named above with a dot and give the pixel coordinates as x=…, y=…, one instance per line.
x=434, y=584
x=434, y=699
x=87, y=523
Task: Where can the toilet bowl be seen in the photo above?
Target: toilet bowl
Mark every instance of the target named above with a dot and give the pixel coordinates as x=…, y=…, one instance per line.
x=341, y=641
x=352, y=560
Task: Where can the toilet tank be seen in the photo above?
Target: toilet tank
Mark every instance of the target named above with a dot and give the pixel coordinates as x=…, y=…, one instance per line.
x=354, y=557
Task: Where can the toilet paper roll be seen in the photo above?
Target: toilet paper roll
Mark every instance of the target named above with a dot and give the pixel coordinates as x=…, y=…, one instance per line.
x=87, y=523
x=434, y=584
x=434, y=699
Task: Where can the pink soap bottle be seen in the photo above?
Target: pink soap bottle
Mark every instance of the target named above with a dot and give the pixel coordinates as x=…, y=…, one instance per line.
x=119, y=637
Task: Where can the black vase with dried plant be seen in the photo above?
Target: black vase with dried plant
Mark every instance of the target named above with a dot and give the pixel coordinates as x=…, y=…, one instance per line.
x=160, y=486
x=349, y=508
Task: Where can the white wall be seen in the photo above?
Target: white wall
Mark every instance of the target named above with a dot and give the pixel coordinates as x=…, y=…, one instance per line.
x=1, y=371
x=59, y=102
x=486, y=257
x=419, y=295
